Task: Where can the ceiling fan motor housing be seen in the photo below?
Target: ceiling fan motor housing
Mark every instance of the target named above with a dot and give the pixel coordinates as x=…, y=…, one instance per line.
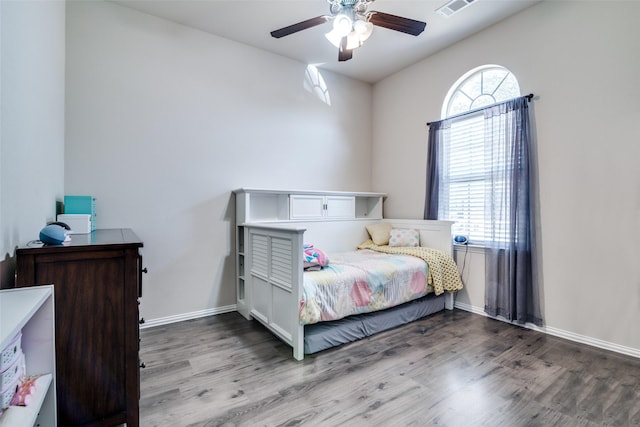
x=348, y=6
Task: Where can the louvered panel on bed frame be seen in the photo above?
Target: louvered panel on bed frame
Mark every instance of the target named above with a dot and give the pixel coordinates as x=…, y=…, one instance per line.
x=276, y=270
x=281, y=254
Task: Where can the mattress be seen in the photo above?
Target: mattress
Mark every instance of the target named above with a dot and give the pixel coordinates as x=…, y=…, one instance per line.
x=361, y=281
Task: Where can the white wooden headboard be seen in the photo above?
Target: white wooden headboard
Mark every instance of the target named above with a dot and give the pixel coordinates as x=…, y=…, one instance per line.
x=343, y=236
x=434, y=234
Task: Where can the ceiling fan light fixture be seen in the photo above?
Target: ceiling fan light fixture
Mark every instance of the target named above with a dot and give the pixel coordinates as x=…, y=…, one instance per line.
x=334, y=38
x=363, y=29
x=342, y=25
x=353, y=41
x=355, y=38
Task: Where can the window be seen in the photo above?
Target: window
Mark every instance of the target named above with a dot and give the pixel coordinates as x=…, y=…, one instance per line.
x=466, y=174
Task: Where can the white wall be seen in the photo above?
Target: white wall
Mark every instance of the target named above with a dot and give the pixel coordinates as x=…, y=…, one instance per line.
x=32, y=55
x=163, y=122
x=580, y=59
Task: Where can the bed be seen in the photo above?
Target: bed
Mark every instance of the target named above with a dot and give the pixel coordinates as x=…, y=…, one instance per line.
x=274, y=278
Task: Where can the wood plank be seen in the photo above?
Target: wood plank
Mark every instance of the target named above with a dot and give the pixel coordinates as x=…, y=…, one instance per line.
x=452, y=368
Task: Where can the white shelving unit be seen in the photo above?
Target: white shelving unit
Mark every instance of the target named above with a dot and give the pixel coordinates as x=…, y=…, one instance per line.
x=260, y=205
x=31, y=310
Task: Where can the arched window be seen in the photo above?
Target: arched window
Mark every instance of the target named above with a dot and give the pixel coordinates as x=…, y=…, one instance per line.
x=480, y=87
x=464, y=182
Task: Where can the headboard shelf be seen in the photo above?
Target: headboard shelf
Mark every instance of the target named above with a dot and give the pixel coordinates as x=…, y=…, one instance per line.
x=263, y=205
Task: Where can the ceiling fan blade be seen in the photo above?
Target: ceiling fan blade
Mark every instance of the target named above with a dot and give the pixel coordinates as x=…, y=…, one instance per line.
x=300, y=26
x=397, y=23
x=344, y=54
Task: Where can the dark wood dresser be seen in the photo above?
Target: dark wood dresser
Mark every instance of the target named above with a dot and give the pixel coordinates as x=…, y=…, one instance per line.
x=97, y=283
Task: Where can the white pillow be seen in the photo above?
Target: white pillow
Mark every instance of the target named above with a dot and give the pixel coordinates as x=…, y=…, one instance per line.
x=379, y=232
x=404, y=237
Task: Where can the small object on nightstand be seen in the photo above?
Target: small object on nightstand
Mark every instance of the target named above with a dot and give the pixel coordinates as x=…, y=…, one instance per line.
x=460, y=240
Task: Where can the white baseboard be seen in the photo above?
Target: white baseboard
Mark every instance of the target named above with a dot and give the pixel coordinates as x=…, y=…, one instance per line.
x=583, y=339
x=187, y=316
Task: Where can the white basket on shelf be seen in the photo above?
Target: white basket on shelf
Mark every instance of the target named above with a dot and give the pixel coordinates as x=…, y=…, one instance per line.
x=13, y=372
x=11, y=352
x=7, y=394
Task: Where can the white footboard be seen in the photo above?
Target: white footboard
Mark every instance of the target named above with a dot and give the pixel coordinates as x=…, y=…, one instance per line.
x=274, y=267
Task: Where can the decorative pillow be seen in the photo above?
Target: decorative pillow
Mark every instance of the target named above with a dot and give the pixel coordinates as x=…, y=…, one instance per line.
x=404, y=237
x=380, y=232
x=313, y=258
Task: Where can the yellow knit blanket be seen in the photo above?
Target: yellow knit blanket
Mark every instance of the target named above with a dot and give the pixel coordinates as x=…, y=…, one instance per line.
x=443, y=271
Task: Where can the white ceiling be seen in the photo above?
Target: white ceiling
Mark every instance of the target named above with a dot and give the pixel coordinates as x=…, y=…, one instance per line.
x=384, y=53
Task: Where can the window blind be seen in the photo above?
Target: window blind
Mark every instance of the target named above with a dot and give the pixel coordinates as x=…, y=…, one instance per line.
x=464, y=180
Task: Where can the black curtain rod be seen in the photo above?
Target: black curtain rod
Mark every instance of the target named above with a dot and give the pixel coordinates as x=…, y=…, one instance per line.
x=455, y=116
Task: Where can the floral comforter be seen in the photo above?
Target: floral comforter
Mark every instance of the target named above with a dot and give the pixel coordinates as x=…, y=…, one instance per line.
x=361, y=282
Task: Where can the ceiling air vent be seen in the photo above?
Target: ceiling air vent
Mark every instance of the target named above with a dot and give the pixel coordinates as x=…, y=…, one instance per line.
x=453, y=6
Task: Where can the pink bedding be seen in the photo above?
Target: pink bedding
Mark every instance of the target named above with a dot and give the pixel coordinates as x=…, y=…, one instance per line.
x=361, y=282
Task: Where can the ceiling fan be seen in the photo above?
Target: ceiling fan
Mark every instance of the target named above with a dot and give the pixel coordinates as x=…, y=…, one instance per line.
x=352, y=25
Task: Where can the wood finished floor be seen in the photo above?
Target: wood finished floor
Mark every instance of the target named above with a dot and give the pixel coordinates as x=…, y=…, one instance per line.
x=450, y=369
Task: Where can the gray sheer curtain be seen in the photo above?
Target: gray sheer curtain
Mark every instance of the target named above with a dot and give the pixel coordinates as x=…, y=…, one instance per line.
x=511, y=287
x=438, y=135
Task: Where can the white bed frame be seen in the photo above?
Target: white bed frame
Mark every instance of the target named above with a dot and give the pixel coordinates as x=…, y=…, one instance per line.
x=272, y=277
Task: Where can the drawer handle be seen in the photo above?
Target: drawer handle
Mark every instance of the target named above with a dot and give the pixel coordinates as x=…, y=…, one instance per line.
x=142, y=365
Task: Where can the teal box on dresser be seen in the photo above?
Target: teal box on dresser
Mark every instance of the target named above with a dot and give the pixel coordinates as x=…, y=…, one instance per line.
x=81, y=205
